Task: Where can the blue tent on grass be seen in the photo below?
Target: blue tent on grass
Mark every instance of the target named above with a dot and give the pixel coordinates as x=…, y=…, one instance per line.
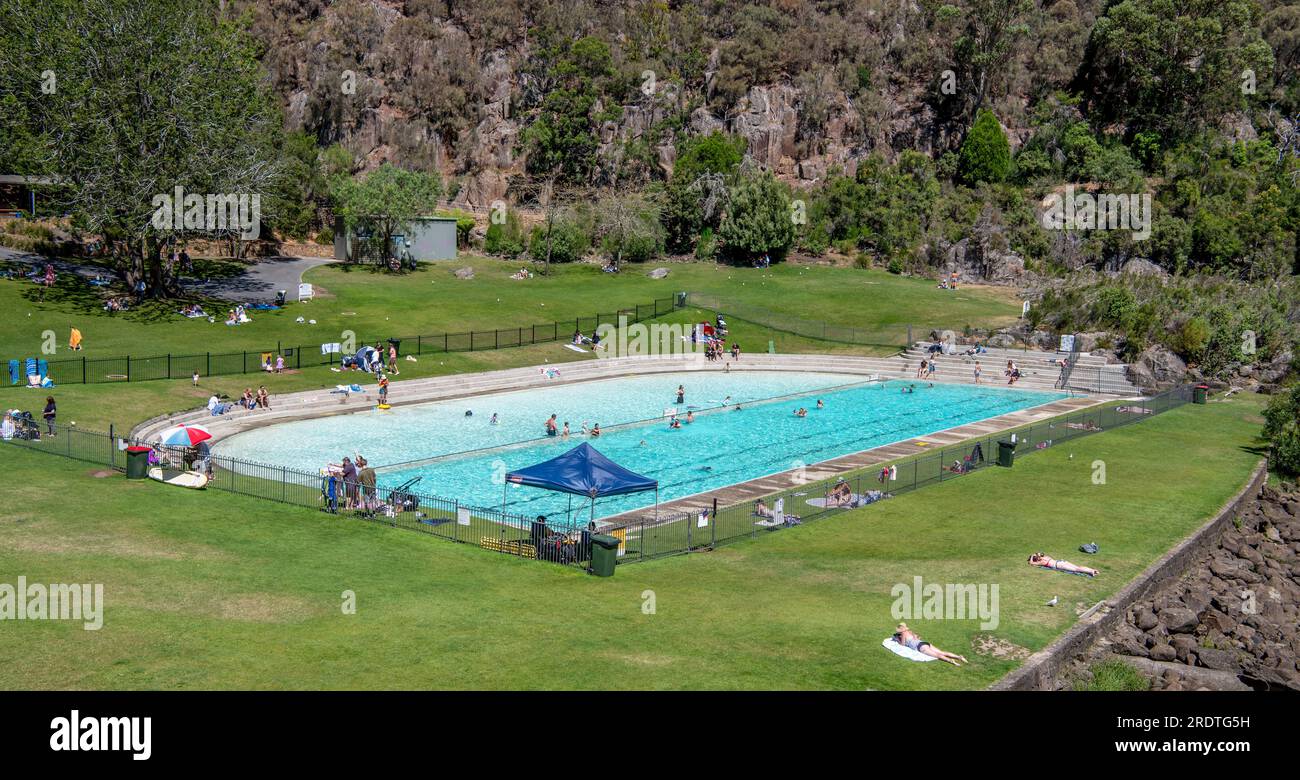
x=583, y=471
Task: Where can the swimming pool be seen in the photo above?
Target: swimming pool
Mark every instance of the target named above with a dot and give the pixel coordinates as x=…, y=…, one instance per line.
x=467, y=456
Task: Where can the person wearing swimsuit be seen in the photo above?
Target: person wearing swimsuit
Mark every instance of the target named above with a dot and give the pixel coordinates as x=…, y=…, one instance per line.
x=1046, y=561
x=909, y=639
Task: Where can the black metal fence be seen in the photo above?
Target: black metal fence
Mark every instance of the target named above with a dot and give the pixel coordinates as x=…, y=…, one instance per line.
x=896, y=335
x=130, y=368
x=569, y=543
x=709, y=525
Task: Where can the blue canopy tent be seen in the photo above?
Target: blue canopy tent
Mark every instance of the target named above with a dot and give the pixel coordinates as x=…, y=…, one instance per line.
x=582, y=471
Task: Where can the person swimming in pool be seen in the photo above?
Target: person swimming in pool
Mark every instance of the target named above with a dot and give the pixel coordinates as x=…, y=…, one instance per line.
x=801, y=412
x=675, y=423
x=1045, y=561
x=911, y=640
x=564, y=434
x=821, y=404
x=690, y=417
x=595, y=431
x=550, y=425
x=681, y=394
x=493, y=421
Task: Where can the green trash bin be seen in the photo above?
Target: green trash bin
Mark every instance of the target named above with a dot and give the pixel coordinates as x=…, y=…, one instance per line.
x=604, y=554
x=1006, y=453
x=137, y=462
x=1199, y=394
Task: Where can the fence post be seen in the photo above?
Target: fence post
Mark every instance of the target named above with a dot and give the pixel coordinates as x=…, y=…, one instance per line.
x=169, y=365
x=207, y=371
x=688, y=532
x=128, y=368
x=419, y=345
x=713, y=523
x=244, y=362
x=83, y=369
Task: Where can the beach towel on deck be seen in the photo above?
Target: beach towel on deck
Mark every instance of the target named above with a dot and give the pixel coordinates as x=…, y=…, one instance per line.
x=904, y=651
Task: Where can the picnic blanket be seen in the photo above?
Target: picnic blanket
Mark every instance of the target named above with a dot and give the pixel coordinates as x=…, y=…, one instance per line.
x=575, y=348
x=904, y=651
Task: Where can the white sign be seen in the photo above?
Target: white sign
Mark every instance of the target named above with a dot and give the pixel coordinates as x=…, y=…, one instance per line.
x=462, y=516
x=305, y=292
x=1067, y=343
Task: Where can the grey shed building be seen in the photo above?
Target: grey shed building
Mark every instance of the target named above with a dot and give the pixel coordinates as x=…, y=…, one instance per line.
x=431, y=238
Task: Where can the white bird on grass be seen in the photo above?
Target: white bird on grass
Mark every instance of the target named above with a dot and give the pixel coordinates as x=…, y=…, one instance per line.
x=1052, y=603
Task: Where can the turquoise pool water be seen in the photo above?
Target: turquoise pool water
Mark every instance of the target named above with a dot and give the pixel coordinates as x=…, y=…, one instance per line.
x=467, y=457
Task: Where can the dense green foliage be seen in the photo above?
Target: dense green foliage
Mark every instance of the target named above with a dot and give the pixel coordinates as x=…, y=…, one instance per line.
x=758, y=220
x=1282, y=429
x=985, y=154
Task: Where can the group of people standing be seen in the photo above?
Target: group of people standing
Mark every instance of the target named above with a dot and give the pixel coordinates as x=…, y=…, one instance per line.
x=357, y=481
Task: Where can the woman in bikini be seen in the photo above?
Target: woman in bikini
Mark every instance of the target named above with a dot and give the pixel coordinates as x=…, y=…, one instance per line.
x=909, y=639
x=1046, y=561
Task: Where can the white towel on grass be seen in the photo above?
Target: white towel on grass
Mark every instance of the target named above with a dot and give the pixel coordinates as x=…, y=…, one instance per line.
x=905, y=651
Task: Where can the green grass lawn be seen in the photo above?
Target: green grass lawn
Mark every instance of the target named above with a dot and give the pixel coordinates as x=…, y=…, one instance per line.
x=433, y=301
x=208, y=590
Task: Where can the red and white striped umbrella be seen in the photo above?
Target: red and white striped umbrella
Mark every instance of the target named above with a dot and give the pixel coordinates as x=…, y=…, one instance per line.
x=184, y=436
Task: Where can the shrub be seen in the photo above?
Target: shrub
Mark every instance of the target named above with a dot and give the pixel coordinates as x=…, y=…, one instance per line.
x=1282, y=429
x=985, y=153
x=505, y=239
x=895, y=265
x=569, y=242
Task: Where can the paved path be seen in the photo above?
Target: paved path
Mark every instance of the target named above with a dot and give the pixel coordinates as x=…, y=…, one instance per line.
x=258, y=284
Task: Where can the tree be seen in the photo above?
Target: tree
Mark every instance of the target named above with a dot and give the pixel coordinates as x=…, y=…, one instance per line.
x=570, y=79
x=985, y=153
x=1174, y=66
x=758, y=219
x=147, y=96
x=628, y=229
x=696, y=193
x=992, y=27
x=386, y=200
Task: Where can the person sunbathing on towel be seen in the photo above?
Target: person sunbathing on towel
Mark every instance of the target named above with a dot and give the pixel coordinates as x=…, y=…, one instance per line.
x=762, y=509
x=1046, y=561
x=909, y=639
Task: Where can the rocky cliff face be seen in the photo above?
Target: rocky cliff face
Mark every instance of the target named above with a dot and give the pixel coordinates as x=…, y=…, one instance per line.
x=434, y=86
